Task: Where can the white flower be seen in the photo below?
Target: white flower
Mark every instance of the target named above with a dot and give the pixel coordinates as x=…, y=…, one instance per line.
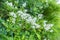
x=44, y=23
x=25, y=10
x=24, y=16
x=24, y=4
x=36, y=25
x=46, y=0
x=17, y=1
x=58, y=1
x=48, y=26
x=13, y=14
x=29, y=19
x=34, y=19
x=16, y=7
x=13, y=20
x=20, y=12
x=51, y=30
x=33, y=27
x=40, y=16
x=7, y=19
x=28, y=15
x=9, y=3
x=45, y=39
x=20, y=25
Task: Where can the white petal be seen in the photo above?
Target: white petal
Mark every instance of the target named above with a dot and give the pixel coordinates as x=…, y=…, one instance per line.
x=51, y=30
x=58, y=1
x=24, y=4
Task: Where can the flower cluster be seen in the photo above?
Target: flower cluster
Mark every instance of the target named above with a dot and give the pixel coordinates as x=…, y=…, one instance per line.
x=47, y=26
x=40, y=16
x=9, y=3
x=29, y=19
x=13, y=14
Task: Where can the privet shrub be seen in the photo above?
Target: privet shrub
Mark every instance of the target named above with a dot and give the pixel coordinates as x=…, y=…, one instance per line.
x=29, y=20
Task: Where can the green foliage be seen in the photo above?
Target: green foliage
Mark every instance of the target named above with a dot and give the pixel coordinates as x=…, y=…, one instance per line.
x=15, y=26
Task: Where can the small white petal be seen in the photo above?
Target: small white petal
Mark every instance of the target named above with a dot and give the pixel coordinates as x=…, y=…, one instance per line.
x=20, y=13
x=51, y=30
x=48, y=26
x=24, y=4
x=16, y=8
x=58, y=1
x=40, y=16
x=37, y=26
x=46, y=0
x=33, y=26
x=13, y=20
x=44, y=23
x=25, y=10
x=45, y=39
x=9, y=3
x=7, y=20
x=13, y=14
x=29, y=19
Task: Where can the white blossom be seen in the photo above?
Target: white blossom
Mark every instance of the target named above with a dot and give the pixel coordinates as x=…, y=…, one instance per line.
x=44, y=23
x=16, y=7
x=24, y=16
x=17, y=1
x=20, y=13
x=13, y=20
x=45, y=39
x=58, y=1
x=24, y=4
x=20, y=24
x=51, y=30
x=34, y=19
x=7, y=19
x=35, y=25
x=13, y=14
x=48, y=26
x=46, y=0
x=29, y=19
x=25, y=10
x=9, y=3
x=40, y=16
